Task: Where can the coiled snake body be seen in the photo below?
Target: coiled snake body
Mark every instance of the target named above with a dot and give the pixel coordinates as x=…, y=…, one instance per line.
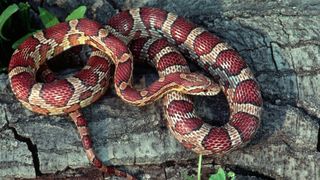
x=135, y=27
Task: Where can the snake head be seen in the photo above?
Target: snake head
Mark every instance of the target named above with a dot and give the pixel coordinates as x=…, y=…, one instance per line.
x=198, y=84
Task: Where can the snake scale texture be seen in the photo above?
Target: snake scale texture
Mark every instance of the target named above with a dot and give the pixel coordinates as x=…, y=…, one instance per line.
x=158, y=37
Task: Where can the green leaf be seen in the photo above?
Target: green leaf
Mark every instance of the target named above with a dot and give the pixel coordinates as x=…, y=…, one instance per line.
x=16, y=44
x=231, y=175
x=23, y=6
x=47, y=18
x=220, y=175
x=77, y=13
x=5, y=15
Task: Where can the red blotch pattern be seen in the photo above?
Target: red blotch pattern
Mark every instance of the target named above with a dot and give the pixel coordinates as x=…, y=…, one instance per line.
x=111, y=170
x=246, y=124
x=20, y=59
x=30, y=43
x=151, y=14
x=57, y=32
x=181, y=29
x=186, y=126
x=86, y=142
x=248, y=91
x=88, y=77
x=170, y=59
x=204, y=43
x=122, y=22
x=231, y=62
x=21, y=85
x=217, y=140
x=81, y=121
x=179, y=107
x=57, y=93
x=122, y=72
x=89, y=27
x=100, y=63
x=116, y=46
x=97, y=162
x=156, y=47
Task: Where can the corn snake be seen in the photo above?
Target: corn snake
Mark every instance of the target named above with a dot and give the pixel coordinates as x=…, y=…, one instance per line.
x=207, y=50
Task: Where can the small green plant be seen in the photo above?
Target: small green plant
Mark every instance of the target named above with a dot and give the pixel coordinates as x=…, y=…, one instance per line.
x=222, y=175
x=188, y=177
x=47, y=18
x=5, y=15
x=77, y=13
x=219, y=175
x=15, y=22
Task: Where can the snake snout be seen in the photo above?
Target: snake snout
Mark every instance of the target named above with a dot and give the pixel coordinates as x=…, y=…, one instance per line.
x=199, y=84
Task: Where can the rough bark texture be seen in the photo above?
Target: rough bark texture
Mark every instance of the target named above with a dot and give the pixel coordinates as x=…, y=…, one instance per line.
x=280, y=42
